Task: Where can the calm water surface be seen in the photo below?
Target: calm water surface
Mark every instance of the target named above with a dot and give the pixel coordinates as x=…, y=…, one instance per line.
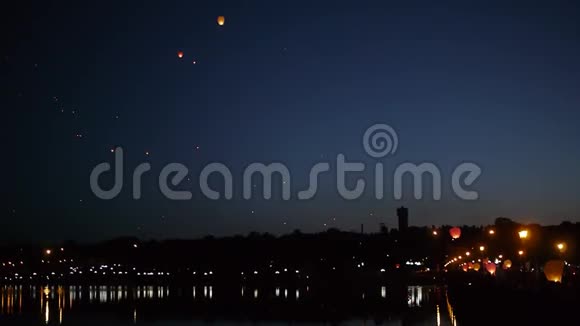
x=232, y=305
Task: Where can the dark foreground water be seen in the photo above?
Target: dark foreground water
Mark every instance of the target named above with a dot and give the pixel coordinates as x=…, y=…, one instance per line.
x=232, y=305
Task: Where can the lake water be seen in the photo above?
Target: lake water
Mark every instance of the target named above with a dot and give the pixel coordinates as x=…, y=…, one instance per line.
x=227, y=305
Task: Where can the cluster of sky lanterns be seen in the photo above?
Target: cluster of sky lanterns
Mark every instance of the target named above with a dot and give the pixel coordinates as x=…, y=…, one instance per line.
x=489, y=266
x=553, y=269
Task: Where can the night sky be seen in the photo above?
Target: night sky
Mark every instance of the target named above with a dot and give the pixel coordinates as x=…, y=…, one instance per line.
x=296, y=82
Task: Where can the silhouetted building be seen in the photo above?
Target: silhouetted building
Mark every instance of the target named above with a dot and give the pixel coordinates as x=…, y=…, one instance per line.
x=403, y=215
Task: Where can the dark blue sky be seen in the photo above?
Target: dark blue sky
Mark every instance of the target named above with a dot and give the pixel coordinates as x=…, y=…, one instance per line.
x=495, y=83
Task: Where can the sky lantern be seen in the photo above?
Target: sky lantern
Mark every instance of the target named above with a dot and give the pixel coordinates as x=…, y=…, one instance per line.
x=455, y=233
x=470, y=265
x=221, y=20
x=553, y=270
x=476, y=267
x=561, y=246
x=507, y=264
x=465, y=268
x=180, y=54
x=490, y=267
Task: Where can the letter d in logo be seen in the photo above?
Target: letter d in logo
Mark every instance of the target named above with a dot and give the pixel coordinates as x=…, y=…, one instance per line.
x=104, y=167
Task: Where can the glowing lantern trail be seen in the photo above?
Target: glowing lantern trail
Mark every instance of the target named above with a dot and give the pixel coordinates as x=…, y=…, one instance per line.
x=221, y=20
x=553, y=270
x=455, y=232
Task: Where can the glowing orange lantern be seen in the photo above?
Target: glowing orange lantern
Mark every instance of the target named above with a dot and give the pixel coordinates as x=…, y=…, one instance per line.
x=490, y=267
x=180, y=54
x=221, y=20
x=455, y=232
x=507, y=264
x=476, y=267
x=553, y=270
x=464, y=268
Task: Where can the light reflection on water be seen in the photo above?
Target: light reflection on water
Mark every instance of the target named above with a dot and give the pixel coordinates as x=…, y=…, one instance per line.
x=56, y=302
x=415, y=296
